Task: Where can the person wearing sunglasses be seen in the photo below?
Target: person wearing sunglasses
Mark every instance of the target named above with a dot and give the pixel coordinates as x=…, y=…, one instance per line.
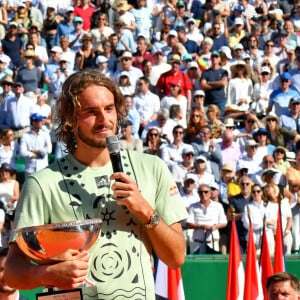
x=280, y=162
x=280, y=136
x=236, y=210
x=153, y=141
x=255, y=209
x=206, y=217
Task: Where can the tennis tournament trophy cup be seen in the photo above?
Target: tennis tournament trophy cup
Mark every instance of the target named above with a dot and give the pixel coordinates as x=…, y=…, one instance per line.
x=49, y=243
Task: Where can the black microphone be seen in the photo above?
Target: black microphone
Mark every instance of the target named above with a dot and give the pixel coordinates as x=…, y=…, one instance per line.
x=113, y=146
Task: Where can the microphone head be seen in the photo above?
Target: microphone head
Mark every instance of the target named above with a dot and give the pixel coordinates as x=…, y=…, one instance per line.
x=112, y=144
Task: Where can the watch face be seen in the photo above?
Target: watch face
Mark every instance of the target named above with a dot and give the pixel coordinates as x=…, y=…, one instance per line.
x=155, y=219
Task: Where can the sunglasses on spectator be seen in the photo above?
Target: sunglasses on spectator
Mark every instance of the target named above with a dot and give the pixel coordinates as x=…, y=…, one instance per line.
x=250, y=121
x=245, y=183
x=256, y=191
x=271, y=120
x=268, y=161
x=270, y=45
x=178, y=132
x=280, y=151
x=196, y=116
x=190, y=154
x=153, y=134
x=203, y=192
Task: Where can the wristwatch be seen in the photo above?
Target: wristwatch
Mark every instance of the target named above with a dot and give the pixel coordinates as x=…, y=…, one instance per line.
x=153, y=221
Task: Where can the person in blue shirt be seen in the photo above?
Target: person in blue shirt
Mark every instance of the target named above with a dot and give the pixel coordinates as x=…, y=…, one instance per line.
x=291, y=120
x=280, y=98
x=190, y=46
x=65, y=27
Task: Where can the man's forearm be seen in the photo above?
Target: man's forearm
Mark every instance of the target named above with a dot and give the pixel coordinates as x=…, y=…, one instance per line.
x=168, y=243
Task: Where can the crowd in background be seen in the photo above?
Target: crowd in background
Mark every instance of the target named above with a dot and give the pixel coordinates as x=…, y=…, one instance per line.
x=212, y=88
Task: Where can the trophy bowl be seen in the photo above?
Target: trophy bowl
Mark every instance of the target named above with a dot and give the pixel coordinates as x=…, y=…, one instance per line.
x=51, y=242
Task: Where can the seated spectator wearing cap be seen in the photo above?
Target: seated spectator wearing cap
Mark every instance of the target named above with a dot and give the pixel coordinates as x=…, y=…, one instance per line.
x=203, y=174
x=280, y=136
x=172, y=153
x=213, y=82
x=193, y=33
x=29, y=75
x=261, y=136
x=126, y=41
x=273, y=198
x=226, y=177
x=198, y=100
x=280, y=98
x=146, y=103
x=126, y=65
x=212, y=152
x=125, y=85
x=4, y=66
x=76, y=36
x=238, y=32
x=43, y=108
x=190, y=45
x=206, y=218
x=179, y=14
x=175, y=75
x=102, y=66
x=17, y=112
x=295, y=75
x=262, y=91
x=180, y=170
x=237, y=55
x=176, y=98
x=291, y=120
x=141, y=53
x=249, y=159
x=190, y=196
x=127, y=141
x=194, y=75
x=57, y=29
x=35, y=146
x=85, y=11
x=240, y=87
x=12, y=45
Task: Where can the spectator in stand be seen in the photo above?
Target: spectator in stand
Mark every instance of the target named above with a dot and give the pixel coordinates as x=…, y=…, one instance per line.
x=179, y=171
x=175, y=98
x=146, y=103
x=163, y=84
x=12, y=45
x=172, y=153
x=160, y=66
x=280, y=162
x=125, y=37
x=85, y=11
x=204, y=176
x=126, y=65
x=69, y=54
x=226, y=56
x=122, y=8
x=238, y=51
x=273, y=198
x=76, y=36
x=269, y=53
x=280, y=136
x=295, y=75
x=101, y=63
x=172, y=40
x=9, y=148
x=30, y=76
x=236, y=210
x=125, y=85
x=66, y=27
x=219, y=39
x=148, y=72
x=17, y=112
x=205, y=146
x=240, y=87
x=213, y=114
x=226, y=177
x=141, y=53
x=132, y=115
x=85, y=56
x=112, y=60
x=206, y=218
x=190, y=45
x=194, y=75
x=198, y=100
x=237, y=34
x=153, y=141
x=264, y=147
x=230, y=150
x=195, y=123
x=103, y=31
x=256, y=209
x=213, y=82
x=291, y=120
x=193, y=32
x=127, y=141
x=6, y=85
x=249, y=160
x=35, y=146
x=280, y=98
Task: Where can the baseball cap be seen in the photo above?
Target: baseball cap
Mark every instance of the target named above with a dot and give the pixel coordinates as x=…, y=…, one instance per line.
x=193, y=64
x=63, y=57
x=215, y=53
x=238, y=46
x=229, y=122
x=214, y=185
x=180, y=3
x=77, y=20
x=125, y=123
x=201, y=157
x=126, y=54
x=187, y=56
x=227, y=167
x=238, y=21
x=226, y=50
x=37, y=117
x=188, y=149
x=250, y=143
x=285, y=75
x=101, y=59
x=239, y=8
x=199, y=93
x=190, y=176
x=191, y=20
x=173, y=33
x=265, y=69
x=294, y=100
x=56, y=49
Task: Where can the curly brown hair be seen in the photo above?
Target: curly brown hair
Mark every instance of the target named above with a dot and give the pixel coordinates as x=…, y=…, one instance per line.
x=68, y=105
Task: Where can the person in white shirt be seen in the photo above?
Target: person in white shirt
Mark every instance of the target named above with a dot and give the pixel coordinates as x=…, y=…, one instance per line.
x=272, y=195
x=172, y=153
x=35, y=146
x=256, y=210
x=146, y=103
x=206, y=218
